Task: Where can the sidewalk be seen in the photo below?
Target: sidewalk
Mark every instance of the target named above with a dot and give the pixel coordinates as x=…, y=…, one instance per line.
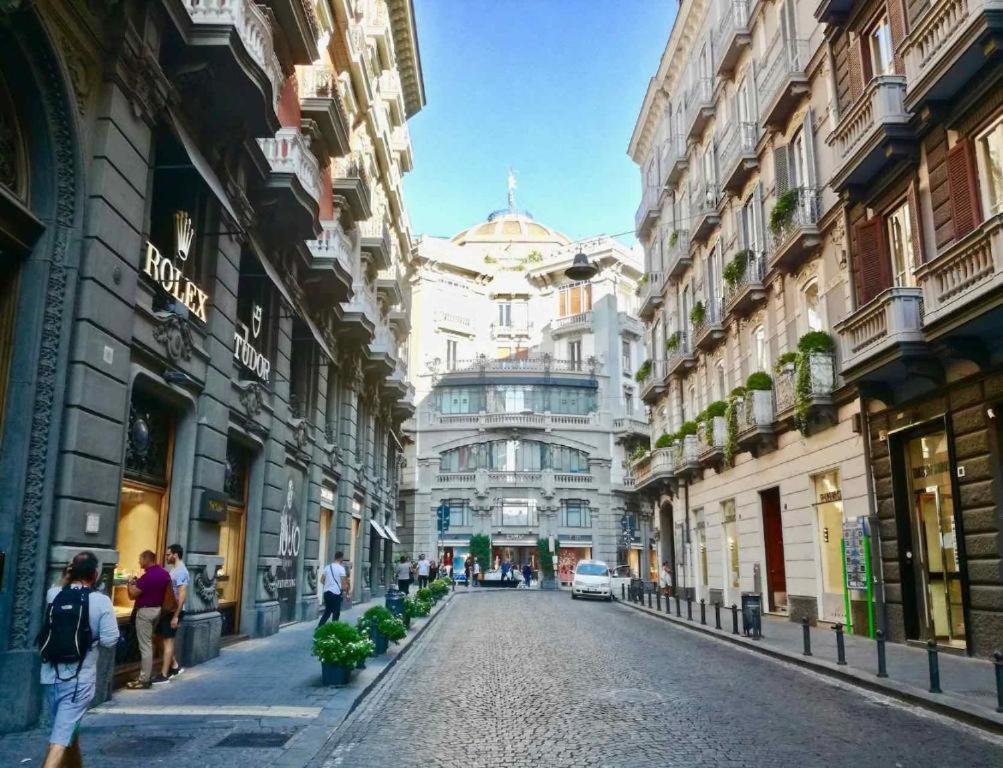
x=968, y=684
x=260, y=693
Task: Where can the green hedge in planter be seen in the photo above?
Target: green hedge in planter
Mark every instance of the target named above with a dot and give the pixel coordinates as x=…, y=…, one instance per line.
x=438, y=589
x=816, y=341
x=424, y=594
x=546, y=560
x=783, y=211
x=698, y=313
x=664, y=441
x=717, y=408
x=416, y=607
x=760, y=380
x=340, y=644
x=381, y=620
x=687, y=428
x=643, y=371
x=784, y=360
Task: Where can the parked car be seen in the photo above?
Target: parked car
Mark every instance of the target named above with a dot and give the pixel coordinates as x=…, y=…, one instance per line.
x=622, y=575
x=592, y=579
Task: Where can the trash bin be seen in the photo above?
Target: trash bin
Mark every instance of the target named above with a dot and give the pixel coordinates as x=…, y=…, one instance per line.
x=752, y=614
x=395, y=602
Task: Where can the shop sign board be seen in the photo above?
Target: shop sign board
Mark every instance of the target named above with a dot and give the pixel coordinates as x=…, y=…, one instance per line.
x=163, y=271
x=212, y=506
x=854, y=534
x=243, y=346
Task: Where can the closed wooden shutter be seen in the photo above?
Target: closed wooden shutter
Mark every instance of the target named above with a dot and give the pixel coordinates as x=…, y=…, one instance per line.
x=896, y=25
x=757, y=212
x=964, y=190
x=917, y=231
x=780, y=170
x=809, y=148
x=871, y=270
x=855, y=56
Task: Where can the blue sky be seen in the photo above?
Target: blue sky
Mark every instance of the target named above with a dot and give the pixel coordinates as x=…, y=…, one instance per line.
x=549, y=87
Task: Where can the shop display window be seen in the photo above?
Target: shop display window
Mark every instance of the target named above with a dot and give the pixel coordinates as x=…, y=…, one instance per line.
x=829, y=506
x=141, y=525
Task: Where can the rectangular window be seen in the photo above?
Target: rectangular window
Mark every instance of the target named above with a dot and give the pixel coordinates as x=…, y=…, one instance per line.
x=574, y=299
x=575, y=513
x=879, y=46
x=628, y=401
x=451, y=354
x=504, y=314
x=458, y=516
x=750, y=233
x=731, y=545
x=518, y=513
x=625, y=353
x=990, y=161
x=899, y=233
x=575, y=354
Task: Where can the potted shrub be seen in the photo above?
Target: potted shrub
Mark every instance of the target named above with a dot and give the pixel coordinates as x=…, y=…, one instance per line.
x=340, y=648
x=438, y=590
x=712, y=416
x=546, y=559
x=698, y=313
x=783, y=211
x=734, y=270
x=672, y=343
x=382, y=627
x=424, y=595
x=643, y=371
x=665, y=441
x=785, y=360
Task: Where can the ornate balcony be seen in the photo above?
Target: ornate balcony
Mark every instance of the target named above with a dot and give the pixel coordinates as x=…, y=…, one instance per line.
x=630, y=324
x=699, y=107
x=732, y=35
x=321, y=101
x=388, y=287
x=797, y=236
x=872, y=133
x=737, y=157
x=400, y=143
x=629, y=426
x=655, y=470
x=963, y=276
x=689, y=457
x=816, y=410
x=675, y=159
x=833, y=11
x=293, y=186
x=653, y=384
x=947, y=46
x=678, y=256
x=374, y=239
x=298, y=22
x=711, y=452
x=756, y=417
x=235, y=36
x=749, y=289
x=873, y=334
x=784, y=79
x=651, y=294
x=704, y=214
x=648, y=211
x=681, y=358
x=576, y=323
x=511, y=330
x=709, y=332
x=361, y=315
x=350, y=185
x=544, y=363
x=330, y=273
x=453, y=322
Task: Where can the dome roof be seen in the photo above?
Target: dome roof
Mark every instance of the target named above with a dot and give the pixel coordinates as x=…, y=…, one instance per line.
x=510, y=227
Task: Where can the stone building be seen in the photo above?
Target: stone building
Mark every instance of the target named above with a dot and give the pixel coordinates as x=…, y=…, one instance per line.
x=525, y=393
x=853, y=152
x=202, y=306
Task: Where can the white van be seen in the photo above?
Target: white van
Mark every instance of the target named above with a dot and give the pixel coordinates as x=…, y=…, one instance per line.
x=592, y=579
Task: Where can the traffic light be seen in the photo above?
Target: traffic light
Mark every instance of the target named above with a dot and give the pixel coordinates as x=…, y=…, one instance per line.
x=442, y=518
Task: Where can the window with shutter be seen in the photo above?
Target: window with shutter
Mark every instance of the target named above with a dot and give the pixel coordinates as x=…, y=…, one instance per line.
x=871, y=270
x=780, y=170
x=963, y=187
x=856, y=68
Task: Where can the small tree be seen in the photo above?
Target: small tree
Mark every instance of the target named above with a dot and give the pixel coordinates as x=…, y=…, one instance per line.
x=546, y=558
x=480, y=549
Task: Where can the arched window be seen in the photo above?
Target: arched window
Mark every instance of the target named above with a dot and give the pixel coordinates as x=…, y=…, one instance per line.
x=760, y=351
x=812, y=308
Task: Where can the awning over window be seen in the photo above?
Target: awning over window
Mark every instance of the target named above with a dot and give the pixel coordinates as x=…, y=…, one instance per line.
x=379, y=530
x=392, y=536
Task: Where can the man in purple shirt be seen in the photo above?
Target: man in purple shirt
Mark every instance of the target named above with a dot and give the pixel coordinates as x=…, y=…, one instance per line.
x=148, y=592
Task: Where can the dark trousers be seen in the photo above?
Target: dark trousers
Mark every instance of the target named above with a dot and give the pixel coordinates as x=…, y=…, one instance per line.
x=404, y=585
x=422, y=582
x=332, y=607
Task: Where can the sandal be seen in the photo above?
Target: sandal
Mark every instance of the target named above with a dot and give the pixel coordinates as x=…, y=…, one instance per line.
x=138, y=684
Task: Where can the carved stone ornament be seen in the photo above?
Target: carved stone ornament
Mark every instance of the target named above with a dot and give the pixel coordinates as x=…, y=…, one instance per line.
x=311, y=577
x=269, y=582
x=251, y=397
x=205, y=587
x=175, y=334
x=146, y=86
x=301, y=434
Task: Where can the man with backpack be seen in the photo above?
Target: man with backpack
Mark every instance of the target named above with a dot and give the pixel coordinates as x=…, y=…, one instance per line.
x=77, y=618
x=150, y=593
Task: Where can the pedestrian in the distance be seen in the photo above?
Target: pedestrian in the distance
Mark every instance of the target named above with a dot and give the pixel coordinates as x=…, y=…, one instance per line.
x=433, y=570
x=468, y=571
x=665, y=579
x=404, y=575
x=167, y=626
x=506, y=566
x=477, y=572
x=527, y=574
x=423, y=568
x=334, y=579
x=69, y=657
x=149, y=592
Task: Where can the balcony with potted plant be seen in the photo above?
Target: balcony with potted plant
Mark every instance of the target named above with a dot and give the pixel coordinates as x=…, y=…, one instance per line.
x=745, y=282
x=678, y=256
x=711, y=431
x=708, y=324
x=679, y=356
x=794, y=231
x=804, y=383
x=757, y=416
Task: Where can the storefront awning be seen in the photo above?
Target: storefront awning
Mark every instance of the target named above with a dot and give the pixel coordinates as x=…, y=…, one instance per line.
x=456, y=542
x=513, y=542
x=392, y=536
x=379, y=530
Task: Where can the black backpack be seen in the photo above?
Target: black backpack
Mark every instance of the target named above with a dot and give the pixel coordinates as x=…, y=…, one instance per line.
x=65, y=637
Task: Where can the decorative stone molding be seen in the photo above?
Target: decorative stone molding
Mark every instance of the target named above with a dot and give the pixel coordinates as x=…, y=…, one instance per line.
x=269, y=582
x=204, y=587
x=174, y=333
x=251, y=397
x=301, y=433
x=311, y=577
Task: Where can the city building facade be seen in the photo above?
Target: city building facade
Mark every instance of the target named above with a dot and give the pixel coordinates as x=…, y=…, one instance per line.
x=203, y=244
x=526, y=401
x=849, y=153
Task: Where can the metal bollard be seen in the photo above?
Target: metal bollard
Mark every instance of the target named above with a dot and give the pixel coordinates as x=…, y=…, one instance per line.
x=668, y=605
x=806, y=636
x=998, y=663
x=623, y=592
x=649, y=599
x=703, y=612
x=734, y=619
x=879, y=638
x=840, y=646
x=717, y=615
x=677, y=607
x=931, y=657
x=689, y=609
x=658, y=601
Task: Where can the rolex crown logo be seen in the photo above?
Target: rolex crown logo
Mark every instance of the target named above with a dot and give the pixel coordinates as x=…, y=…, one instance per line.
x=184, y=233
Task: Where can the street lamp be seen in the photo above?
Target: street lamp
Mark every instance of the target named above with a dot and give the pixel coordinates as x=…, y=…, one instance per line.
x=580, y=269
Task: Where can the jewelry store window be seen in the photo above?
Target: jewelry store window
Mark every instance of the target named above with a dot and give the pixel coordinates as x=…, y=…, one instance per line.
x=232, y=531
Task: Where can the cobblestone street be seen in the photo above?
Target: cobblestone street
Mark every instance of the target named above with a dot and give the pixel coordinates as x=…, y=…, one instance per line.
x=525, y=680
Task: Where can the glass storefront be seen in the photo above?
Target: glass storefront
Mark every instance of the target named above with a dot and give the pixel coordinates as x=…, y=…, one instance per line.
x=935, y=561
x=829, y=515
x=229, y=578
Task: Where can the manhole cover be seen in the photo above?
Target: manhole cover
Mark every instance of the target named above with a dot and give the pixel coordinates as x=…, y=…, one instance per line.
x=140, y=745
x=253, y=739
x=634, y=696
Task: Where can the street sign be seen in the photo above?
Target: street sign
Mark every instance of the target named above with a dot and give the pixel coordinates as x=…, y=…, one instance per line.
x=442, y=518
x=853, y=555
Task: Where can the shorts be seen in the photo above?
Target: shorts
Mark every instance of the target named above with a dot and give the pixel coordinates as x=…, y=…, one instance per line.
x=68, y=701
x=163, y=626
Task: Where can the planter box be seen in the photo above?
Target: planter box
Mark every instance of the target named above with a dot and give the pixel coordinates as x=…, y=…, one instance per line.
x=335, y=674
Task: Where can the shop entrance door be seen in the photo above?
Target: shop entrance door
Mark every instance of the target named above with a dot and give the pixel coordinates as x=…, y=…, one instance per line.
x=939, y=603
x=773, y=535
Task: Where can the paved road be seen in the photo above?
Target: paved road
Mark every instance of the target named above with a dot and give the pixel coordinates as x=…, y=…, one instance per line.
x=528, y=680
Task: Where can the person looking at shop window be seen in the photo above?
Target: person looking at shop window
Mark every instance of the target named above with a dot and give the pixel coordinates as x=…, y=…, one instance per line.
x=333, y=578
x=149, y=593
x=167, y=626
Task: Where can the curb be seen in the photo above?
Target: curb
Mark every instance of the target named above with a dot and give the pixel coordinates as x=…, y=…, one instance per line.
x=971, y=715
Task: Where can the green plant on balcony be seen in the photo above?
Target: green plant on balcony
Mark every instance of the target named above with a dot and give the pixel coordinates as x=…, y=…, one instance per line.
x=811, y=342
x=665, y=440
x=698, y=313
x=737, y=392
x=759, y=381
x=672, y=342
x=816, y=341
x=717, y=408
x=673, y=238
x=731, y=425
x=784, y=360
x=638, y=452
x=686, y=428
x=643, y=371
x=734, y=270
x=783, y=211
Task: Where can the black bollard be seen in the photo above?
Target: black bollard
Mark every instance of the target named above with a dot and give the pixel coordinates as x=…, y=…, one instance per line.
x=649, y=599
x=689, y=609
x=734, y=619
x=806, y=635
x=677, y=607
x=703, y=612
x=998, y=663
x=840, y=647
x=668, y=605
x=658, y=601
x=879, y=638
x=717, y=615
x=931, y=656
x=623, y=591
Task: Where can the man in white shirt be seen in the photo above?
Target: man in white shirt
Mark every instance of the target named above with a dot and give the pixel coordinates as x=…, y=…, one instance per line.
x=167, y=625
x=70, y=688
x=477, y=572
x=333, y=577
x=665, y=579
x=423, y=565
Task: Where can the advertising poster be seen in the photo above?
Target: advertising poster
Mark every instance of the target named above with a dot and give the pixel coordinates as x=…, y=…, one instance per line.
x=290, y=544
